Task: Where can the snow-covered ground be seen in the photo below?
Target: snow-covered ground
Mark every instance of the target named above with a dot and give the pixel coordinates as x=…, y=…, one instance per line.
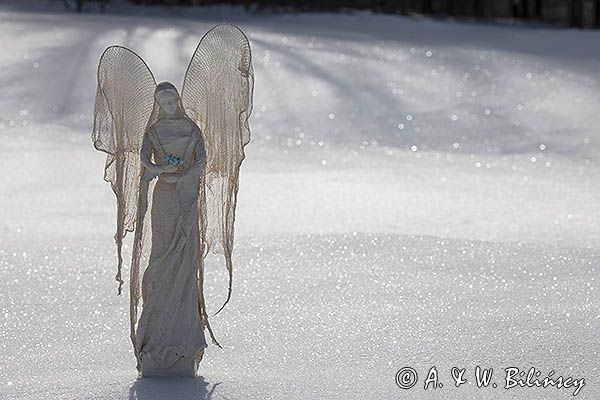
x=416, y=193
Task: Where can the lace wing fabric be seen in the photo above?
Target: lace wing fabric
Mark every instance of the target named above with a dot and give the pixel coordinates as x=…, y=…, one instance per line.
x=217, y=96
x=124, y=104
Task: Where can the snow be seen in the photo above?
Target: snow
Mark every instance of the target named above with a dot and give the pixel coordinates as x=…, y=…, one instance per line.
x=416, y=193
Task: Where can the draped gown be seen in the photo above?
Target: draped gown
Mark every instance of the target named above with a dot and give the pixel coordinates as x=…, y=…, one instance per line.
x=170, y=335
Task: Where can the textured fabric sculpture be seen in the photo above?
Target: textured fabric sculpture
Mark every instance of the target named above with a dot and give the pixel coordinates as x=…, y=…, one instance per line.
x=173, y=163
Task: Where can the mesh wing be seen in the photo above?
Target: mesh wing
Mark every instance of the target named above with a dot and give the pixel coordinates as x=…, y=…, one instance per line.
x=124, y=104
x=217, y=96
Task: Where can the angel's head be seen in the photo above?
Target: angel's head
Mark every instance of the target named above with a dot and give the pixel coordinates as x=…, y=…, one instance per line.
x=167, y=97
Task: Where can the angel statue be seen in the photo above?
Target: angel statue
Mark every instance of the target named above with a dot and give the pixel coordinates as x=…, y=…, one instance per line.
x=173, y=163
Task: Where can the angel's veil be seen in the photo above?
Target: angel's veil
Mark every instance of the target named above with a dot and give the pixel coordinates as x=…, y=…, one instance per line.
x=217, y=96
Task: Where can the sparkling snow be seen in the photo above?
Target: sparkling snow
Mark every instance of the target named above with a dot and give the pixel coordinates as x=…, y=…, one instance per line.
x=416, y=193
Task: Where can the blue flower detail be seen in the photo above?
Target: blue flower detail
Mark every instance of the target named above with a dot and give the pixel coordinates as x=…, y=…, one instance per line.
x=174, y=159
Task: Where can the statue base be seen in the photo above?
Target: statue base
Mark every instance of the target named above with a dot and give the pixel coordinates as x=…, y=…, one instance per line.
x=184, y=367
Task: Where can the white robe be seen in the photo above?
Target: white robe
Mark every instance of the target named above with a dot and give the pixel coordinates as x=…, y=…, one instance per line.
x=170, y=337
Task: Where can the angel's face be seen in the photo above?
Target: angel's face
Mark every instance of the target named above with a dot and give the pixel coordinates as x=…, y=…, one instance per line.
x=167, y=100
